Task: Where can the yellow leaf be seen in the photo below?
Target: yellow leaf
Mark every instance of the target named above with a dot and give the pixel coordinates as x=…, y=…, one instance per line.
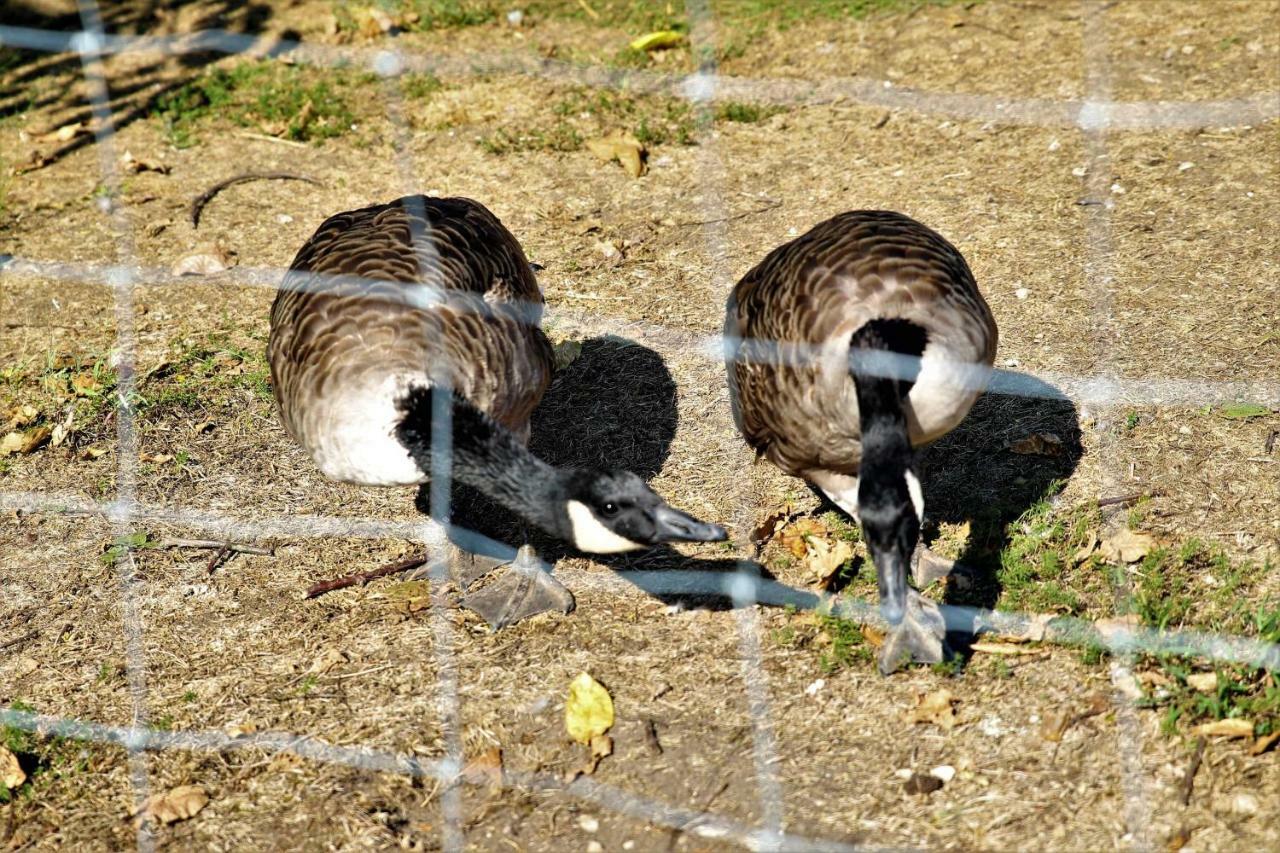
x=795, y=537
x=1203, y=682
x=623, y=147
x=935, y=708
x=11, y=773
x=589, y=709
x=1264, y=743
x=179, y=804
x=21, y=416
x=1225, y=728
x=660, y=40
x=1126, y=546
x=826, y=558
x=24, y=442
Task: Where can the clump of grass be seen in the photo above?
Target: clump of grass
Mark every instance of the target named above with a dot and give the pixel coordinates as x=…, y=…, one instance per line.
x=849, y=645
x=420, y=86
x=745, y=113
x=122, y=545
x=297, y=103
x=559, y=137
x=191, y=379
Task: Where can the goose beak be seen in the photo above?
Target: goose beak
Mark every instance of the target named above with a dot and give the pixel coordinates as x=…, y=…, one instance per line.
x=891, y=577
x=672, y=525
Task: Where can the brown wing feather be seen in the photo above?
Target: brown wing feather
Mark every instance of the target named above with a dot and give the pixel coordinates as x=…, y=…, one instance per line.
x=419, y=285
x=800, y=408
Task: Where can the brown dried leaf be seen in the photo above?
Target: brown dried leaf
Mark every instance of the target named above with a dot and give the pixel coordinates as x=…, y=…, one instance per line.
x=1054, y=724
x=181, y=803
x=796, y=535
x=624, y=148
x=206, y=260
x=1087, y=548
x=66, y=133
x=94, y=452
x=36, y=160
x=129, y=163
x=85, y=385
x=24, y=442
x=566, y=353
x=327, y=660
x=22, y=415
x=764, y=531
x=1203, y=682
x=156, y=458
x=62, y=430
x=1235, y=727
x=1038, y=444
x=1126, y=546
x=826, y=558
x=11, y=773
x=484, y=769
x=935, y=708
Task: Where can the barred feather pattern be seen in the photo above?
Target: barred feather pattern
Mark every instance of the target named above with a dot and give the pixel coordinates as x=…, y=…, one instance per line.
x=796, y=403
x=419, y=291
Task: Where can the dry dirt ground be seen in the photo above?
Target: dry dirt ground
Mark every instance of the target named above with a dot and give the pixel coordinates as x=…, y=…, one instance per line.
x=1141, y=255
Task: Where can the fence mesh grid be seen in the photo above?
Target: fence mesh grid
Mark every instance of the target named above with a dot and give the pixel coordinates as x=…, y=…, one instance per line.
x=1097, y=117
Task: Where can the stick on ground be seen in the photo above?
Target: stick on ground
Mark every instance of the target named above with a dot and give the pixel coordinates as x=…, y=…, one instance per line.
x=1188, y=783
x=215, y=545
x=362, y=578
x=205, y=197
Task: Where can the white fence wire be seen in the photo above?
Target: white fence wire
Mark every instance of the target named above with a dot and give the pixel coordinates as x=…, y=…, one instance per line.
x=1096, y=116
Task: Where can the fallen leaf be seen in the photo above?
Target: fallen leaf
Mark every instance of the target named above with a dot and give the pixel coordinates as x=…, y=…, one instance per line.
x=132, y=164
x=36, y=160
x=1038, y=444
x=239, y=729
x=589, y=709
x=327, y=660
x=795, y=536
x=764, y=531
x=66, y=133
x=179, y=804
x=920, y=783
x=566, y=353
x=935, y=708
x=1234, y=727
x=1236, y=411
x=623, y=147
x=1085, y=550
x=826, y=558
x=85, y=385
x=11, y=773
x=1178, y=840
x=207, y=260
x=1126, y=546
x=1054, y=724
x=1203, y=682
x=945, y=772
x=485, y=768
x=62, y=430
x=660, y=40
x=94, y=452
x=22, y=415
x=156, y=458
x=1264, y=743
x=24, y=442
x=204, y=427
x=1115, y=626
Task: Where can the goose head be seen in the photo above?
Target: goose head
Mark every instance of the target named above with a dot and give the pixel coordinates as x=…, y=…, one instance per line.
x=608, y=512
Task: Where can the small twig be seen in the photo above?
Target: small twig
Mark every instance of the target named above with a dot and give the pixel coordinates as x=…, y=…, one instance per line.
x=17, y=641
x=205, y=197
x=1270, y=444
x=277, y=140
x=1125, y=500
x=1189, y=781
x=217, y=559
x=362, y=578
x=742, y=215
x=595, y=16
x=255, y=550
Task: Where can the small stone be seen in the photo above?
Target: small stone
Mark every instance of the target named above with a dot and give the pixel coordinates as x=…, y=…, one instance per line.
x=812, y=689
x=1080, y=171
x=1117, y=189
x=515, y=17
x=628, y=845
x=902, y=773
x=595, y=847
x=587, y=823
x=1182, y=167
x=283, y=218
x=945, y=772
x=1011, y=362
x=791, y=232
x=1022, y=293
x=1054, y=145
x=1188, y=49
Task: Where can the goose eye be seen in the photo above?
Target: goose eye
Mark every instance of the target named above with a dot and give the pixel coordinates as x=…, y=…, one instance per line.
x=610, y=509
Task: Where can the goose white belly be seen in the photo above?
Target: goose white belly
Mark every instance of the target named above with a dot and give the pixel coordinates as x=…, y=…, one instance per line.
x=355, y=440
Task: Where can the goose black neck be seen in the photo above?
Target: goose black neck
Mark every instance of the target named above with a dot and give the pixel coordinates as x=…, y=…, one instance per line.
x=487, y=457
x=886, y=445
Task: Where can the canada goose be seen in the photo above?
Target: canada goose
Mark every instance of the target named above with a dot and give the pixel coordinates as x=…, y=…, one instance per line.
x=817, y=334
x=385, y=305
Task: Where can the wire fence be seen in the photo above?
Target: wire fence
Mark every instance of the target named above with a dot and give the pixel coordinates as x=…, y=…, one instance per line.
x=1096, y=116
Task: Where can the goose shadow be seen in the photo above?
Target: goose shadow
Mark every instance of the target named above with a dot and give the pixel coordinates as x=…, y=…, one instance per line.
x=614, y=406
x=973, y=475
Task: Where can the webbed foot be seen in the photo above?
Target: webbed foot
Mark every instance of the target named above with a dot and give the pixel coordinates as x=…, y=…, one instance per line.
x=920, y=636
x=525, y=589
x=927, y=567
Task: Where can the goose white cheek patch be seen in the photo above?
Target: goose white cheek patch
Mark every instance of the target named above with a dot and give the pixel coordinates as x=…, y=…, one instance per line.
x=592, y=537
x=917, y=494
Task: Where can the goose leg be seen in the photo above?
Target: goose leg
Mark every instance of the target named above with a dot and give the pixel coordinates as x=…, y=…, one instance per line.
x=921, y=636
x=525, y=589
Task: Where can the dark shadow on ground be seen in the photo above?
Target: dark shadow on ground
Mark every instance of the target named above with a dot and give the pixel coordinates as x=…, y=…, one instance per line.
x=972, y=475
x=55, y=82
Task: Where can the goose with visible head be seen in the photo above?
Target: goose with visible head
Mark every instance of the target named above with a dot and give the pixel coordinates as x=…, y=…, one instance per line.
x=848, y=347
x=389, y=311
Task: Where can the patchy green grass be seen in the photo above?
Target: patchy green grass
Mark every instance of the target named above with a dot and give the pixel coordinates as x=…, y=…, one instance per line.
x=45, y=760
x=583, y=113
x=745, y=113
x=190, y=379
x=291, y=101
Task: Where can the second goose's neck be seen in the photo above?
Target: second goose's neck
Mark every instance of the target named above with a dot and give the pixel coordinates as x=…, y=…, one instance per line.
x=487, y=457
